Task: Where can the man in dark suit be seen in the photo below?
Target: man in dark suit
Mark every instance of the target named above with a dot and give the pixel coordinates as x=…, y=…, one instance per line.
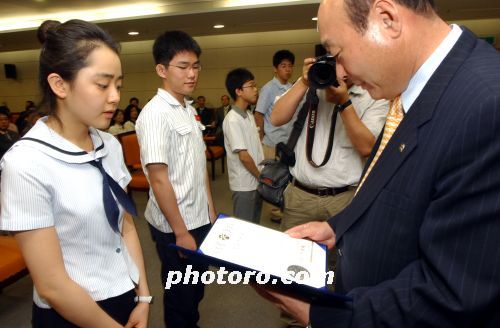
x=220, y=114
x=206, y=114
x=419, y=245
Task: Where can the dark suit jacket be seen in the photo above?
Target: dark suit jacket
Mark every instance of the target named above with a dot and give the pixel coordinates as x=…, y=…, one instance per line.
x=420, y=243
x=207, y=115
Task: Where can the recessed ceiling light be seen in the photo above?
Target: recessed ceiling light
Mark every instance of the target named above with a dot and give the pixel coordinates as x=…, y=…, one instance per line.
x=133, y=33
x=219, y=26
x=315, y=18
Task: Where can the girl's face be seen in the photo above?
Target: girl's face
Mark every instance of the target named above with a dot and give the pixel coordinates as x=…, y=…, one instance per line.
x=133, y=113
x=120, y=117
x=94, y=95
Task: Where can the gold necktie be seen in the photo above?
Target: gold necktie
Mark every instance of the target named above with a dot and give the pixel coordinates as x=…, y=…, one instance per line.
x=394, y=117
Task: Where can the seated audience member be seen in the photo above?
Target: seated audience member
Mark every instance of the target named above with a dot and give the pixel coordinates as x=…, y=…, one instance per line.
x=207, y=117
x=133, y=102
x=12, y=127
x=131, y=114
x=220, y=114
x=30, y=119
x=7, y=137
x=119, y=125
x=243, y=147
x=21, y=120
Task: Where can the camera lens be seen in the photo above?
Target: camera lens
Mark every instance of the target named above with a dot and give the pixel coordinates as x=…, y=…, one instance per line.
x=322, y=74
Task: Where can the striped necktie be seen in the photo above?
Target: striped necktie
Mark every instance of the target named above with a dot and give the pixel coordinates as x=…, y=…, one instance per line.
x=394, y=117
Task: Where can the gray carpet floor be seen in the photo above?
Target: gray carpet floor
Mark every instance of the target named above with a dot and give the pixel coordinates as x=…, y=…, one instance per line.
x=223, y=305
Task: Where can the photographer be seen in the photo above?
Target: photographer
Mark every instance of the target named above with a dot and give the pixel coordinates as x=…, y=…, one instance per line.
x=317, y=193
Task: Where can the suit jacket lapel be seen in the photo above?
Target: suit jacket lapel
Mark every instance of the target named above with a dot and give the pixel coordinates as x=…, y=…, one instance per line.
x=405, y=139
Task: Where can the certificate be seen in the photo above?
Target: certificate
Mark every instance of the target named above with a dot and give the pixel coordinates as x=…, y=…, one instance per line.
x=296, y=265
x=266, y=250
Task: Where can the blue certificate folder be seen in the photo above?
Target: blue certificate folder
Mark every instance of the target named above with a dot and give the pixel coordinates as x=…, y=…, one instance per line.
x=301, y=290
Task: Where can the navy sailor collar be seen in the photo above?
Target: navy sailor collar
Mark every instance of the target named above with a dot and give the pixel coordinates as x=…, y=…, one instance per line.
x=46, y=140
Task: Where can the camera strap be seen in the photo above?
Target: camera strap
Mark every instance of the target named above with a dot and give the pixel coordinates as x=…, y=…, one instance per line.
x=313, y=100
x=286, y=151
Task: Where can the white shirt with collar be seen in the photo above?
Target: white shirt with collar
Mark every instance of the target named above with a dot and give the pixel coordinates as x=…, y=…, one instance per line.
x=345, y=165
x=425, y=72
x=169, y=133
x=47, y=187
x=240, y=133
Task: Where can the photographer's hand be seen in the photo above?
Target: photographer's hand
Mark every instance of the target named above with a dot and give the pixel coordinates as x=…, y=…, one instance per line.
x=305, y=70
x=338, y=95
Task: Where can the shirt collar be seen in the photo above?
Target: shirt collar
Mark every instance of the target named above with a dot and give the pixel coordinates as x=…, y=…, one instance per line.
x=240, y=111
x=165, y=95
x=425, y=72
x=356, y=90
x=283, y=87
x=54, y=145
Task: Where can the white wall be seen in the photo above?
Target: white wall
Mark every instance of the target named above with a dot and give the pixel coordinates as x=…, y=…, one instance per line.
x=220, y=54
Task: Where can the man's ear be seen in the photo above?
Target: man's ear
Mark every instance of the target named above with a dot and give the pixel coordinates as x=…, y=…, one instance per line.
x=161, y=70
x=387, y=14
x=238, y=92
x=58, y=85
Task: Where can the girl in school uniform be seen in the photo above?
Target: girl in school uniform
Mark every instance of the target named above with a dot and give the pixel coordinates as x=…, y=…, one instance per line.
x=62, y=190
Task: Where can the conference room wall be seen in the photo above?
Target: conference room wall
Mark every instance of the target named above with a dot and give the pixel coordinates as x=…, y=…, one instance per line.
x=220, y=53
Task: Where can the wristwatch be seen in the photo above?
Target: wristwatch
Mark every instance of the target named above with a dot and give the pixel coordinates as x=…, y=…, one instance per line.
x=340, y=108
x=143, y=299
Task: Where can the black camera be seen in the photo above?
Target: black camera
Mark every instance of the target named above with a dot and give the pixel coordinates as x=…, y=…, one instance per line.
x=322, y=73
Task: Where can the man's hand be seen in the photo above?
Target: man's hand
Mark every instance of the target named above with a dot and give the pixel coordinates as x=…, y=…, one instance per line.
x=320, y=232
x=295, y=307
x=338, y=95
x=305, y=70
x=185, y=240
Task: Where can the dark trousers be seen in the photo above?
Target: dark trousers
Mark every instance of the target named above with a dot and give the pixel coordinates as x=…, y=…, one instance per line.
x=119, y=308
x=180, y=302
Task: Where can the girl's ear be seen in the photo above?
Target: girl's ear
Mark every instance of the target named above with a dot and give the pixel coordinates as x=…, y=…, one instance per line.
x=58, y=85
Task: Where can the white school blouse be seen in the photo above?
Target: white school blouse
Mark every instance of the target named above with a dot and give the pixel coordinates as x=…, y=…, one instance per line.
x=56, y=187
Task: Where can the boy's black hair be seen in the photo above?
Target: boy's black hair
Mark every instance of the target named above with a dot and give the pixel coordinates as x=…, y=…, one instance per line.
x=4, y=110
x=171, y=43
x=282, y=55
x=235, y=80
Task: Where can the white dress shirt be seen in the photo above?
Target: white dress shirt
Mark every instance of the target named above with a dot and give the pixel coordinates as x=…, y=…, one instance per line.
x=240, y=133
x=169, y=134
x=345, y=165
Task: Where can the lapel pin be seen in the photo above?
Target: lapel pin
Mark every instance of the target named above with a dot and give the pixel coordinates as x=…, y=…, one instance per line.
x=402, y=147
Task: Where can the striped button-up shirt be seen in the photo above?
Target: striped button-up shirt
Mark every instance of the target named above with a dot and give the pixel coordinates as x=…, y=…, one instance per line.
x=45, y=186
x=169, y=134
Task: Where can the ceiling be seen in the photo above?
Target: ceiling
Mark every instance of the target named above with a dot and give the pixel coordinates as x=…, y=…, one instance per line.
x=152, y=17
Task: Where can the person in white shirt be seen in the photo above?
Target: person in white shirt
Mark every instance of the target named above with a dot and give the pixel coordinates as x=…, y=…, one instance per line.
x=62, y=189
x=119, y=124
x=243, y=147
x=180, y=208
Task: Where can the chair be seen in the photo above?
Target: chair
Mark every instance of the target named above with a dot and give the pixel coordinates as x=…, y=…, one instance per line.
x=132, y=156
x=12, y=266
x=214, y=153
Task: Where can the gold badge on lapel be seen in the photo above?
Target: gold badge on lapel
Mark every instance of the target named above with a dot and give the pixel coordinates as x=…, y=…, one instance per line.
x=402, y=147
